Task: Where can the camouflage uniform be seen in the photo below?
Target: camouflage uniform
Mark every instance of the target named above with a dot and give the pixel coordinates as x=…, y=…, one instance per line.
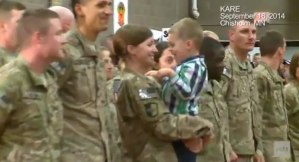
x=213, y=108
x=291, y=92
x=111, y=124
x=244, y=117
x=84, y=95
x=274, y=114
x=146, y=125
x=31, y=119
x=6, y=56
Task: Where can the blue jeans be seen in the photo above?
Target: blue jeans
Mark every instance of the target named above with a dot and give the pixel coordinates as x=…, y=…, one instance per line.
x=183, y=153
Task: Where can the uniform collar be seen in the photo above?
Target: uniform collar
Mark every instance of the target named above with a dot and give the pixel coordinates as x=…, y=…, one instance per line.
x=191, y=58
x=272, y=72
x=75, y=38
x=36, y=78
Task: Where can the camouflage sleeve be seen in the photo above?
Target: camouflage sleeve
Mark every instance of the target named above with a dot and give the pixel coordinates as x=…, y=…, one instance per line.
x=225, y=80
x=258, y=109
x=10, y=93
x=139, y=101
x=291, y=100
x=63, y=68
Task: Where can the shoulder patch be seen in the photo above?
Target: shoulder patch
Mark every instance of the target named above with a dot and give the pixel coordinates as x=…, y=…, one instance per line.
x=147, y=93
x=115, y=88
x=151, y=109
x=226, y=72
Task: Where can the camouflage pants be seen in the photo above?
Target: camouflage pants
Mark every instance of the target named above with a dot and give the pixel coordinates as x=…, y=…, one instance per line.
x=245, y=158
x=296, y=156
x=92, y=154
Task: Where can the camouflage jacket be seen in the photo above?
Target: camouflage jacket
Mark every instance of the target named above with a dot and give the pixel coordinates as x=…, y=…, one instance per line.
x=291, y=92
x=213, y=108
x=273, y=110
x=146, y=126
x=31, y=119
x=242, y=97
x=6, y=57
x=84, y=95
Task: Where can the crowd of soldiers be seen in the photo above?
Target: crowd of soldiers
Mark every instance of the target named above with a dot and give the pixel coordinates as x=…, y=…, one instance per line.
x=65, y=98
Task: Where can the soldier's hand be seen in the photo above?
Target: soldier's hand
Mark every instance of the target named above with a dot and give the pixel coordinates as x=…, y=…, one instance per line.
x=258, y=158
x=233, y=157
x=195, y=144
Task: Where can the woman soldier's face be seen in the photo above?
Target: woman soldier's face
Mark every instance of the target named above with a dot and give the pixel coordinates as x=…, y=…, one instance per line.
x=144, y=52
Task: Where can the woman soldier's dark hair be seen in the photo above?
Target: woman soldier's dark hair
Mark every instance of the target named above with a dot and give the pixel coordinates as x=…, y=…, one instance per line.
x=129, y=35
x=293, y=65
x=161, y=46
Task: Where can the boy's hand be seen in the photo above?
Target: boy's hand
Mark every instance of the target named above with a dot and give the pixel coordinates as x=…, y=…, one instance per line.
x=194, y=144
x=206, y=139
x=165, y=72
x=152, y=73
x=233, y=157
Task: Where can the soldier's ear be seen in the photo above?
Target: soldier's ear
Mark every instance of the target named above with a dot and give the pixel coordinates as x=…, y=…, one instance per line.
x=79, y=10
x=131, y=50
x=2, y=25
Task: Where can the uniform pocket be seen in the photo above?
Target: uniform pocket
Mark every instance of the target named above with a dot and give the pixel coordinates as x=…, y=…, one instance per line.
x=85, y=80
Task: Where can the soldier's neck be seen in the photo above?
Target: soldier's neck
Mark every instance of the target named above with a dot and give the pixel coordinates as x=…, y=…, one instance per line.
x=87, y=33
x=137, y=68
x=240, y=54
x=4, y=45
x=34, y=60
x=271, y=62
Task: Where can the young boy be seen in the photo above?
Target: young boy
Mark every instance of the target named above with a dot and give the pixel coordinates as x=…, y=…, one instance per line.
x=181, y=87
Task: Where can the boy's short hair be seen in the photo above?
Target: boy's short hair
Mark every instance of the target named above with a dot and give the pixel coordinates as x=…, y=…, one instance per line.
x=188, y=29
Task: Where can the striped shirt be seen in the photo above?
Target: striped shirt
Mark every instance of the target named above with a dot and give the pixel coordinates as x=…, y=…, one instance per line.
x=181, y=92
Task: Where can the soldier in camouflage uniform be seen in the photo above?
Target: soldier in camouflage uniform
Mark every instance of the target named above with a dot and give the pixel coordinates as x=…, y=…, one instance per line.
x=147, y=127
x=212, y=105
x=82, y=82
x=10, y=13
x=272, y=101
x=241, y=95
x=31, y=114
x=291, y=92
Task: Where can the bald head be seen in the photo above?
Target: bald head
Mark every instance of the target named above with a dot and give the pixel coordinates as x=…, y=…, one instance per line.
x=211, y=34
x=66, y=16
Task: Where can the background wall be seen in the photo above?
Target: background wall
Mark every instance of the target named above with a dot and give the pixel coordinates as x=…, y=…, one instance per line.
x=158, y=14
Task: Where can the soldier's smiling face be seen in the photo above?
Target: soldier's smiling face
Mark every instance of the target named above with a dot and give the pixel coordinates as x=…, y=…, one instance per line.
x=95, y=13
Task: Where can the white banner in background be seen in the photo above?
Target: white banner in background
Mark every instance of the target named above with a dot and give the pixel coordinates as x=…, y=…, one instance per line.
x=165, y=34
x=120, y=14
x=156, y=34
